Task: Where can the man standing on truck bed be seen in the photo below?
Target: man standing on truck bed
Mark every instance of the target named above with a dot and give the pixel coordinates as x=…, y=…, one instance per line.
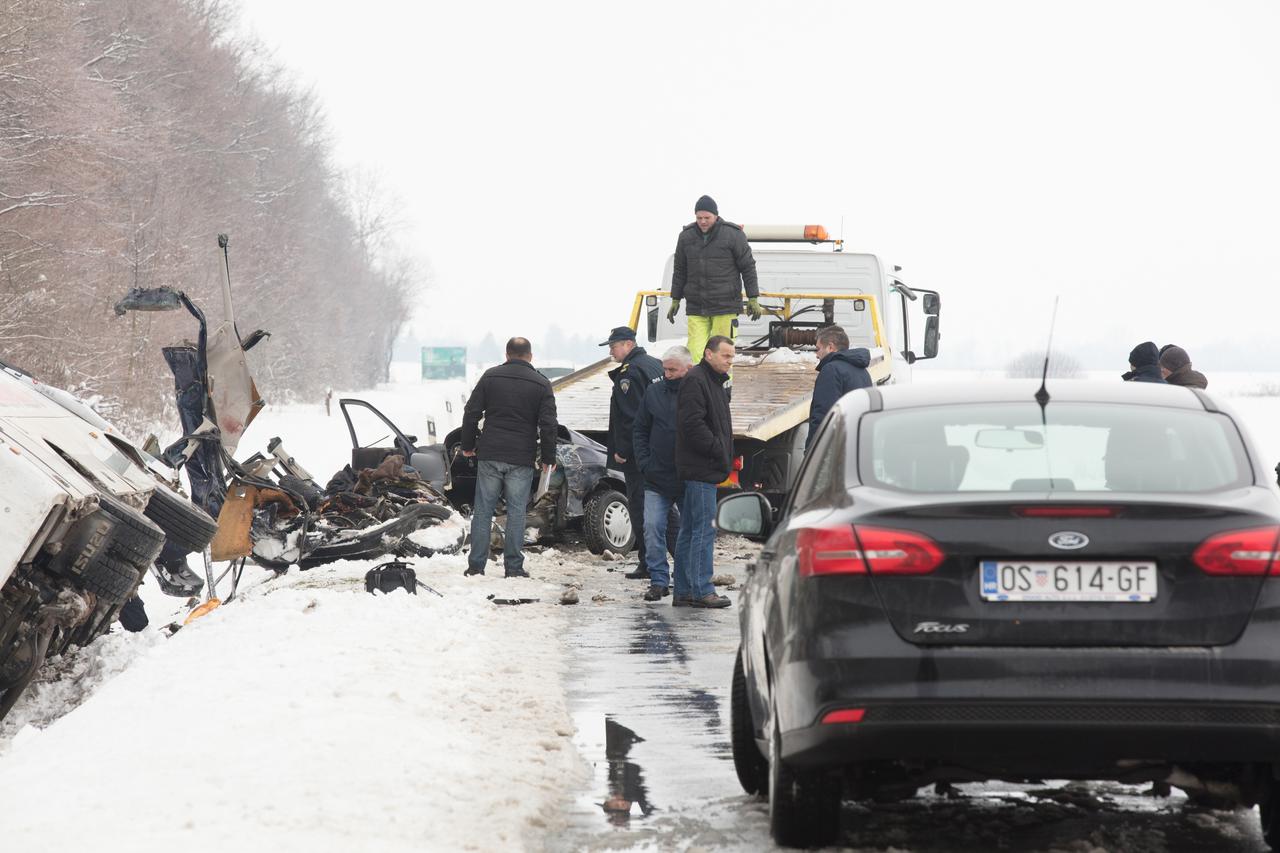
x=636, y=371
x=713, y=264
x=519, y=412
x=704, y=457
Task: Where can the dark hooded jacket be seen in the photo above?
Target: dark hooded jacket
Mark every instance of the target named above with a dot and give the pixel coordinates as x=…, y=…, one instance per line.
x=1175, y=360
x=710, y=274
x=519, y=412
x=631, y=380
x=1145, y=360
x=838, y=373
x=704, y=431
x=655, y=438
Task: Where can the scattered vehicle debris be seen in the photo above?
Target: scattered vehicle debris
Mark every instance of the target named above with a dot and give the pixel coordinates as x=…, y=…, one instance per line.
x=268, y=508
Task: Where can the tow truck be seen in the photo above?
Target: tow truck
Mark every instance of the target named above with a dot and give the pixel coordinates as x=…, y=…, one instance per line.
x=807, y=282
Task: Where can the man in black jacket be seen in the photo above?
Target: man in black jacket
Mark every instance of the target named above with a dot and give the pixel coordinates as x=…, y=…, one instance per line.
x=840, y=370
x=655, y=452
x=519, y=412
x=713, y=264
x=636, y=371
x=704, y=458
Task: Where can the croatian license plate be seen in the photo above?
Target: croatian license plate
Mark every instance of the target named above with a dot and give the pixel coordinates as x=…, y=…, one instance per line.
x=1042, y=580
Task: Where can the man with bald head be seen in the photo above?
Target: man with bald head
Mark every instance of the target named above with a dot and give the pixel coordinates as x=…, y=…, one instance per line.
x=519, y=413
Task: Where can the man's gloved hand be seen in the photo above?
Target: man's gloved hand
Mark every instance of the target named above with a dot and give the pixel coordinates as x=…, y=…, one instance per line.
x=671, y=312
x=753, y=309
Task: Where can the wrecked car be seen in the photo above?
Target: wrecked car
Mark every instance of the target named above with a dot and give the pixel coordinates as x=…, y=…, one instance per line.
x=84, y=514
x=276, y=514
x=269, y=508
x=582, y=492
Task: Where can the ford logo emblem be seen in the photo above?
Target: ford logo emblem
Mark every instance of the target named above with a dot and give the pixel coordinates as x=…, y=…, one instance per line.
x=1068, y=540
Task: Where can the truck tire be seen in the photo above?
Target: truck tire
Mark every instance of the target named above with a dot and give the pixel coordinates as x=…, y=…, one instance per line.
x=111, y=549
x=185, y=525
x=606, y=523
x=111, y=578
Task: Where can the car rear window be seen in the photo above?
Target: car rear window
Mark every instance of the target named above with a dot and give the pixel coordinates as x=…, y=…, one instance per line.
x=1077, y=447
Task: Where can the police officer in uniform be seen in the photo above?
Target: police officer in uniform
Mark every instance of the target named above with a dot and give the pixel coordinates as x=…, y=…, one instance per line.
x=636, y=371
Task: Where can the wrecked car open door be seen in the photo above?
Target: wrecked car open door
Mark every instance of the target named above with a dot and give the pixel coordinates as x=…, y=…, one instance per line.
x=374, y=437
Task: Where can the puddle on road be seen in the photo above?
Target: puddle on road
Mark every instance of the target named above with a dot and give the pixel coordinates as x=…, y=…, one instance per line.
x=649, y=696
x=627, y=790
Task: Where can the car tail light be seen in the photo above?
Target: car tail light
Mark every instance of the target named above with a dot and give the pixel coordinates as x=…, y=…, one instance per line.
x=844, y=715
x=1239, y=552
x=1065, y=511
x=828, y=551
x=898, y=552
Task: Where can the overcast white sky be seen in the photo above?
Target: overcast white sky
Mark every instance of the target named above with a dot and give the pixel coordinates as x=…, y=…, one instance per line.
x=1125, y=155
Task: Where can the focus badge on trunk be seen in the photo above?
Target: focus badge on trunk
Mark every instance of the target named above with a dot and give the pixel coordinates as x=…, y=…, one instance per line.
x=1068, y=540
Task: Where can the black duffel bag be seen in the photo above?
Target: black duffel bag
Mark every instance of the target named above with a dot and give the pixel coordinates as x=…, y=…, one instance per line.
x=388, y=577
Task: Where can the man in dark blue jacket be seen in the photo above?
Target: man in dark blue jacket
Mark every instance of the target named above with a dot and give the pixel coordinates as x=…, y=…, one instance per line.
x=840, y=370
x=655, y=453
x=1144, y=364
x=636, y=371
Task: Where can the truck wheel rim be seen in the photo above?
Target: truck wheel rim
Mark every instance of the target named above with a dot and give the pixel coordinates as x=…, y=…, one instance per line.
x=617, y=524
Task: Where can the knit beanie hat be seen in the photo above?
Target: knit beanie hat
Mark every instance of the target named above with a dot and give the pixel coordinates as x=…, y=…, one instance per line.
x=708, y=204
x=1174, y=358
x=1144, y=354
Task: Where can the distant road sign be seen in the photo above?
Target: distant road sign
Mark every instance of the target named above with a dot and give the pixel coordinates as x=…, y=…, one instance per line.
x=444, y=362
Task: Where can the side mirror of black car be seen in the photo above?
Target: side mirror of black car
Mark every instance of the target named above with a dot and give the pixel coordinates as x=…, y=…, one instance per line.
x=1278, y=474
x=748, y=514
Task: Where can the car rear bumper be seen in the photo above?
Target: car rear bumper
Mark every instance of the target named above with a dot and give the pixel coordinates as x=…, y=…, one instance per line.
x=1042, y=738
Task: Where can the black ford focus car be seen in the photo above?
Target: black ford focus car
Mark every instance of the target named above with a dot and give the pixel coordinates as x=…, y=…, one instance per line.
x=967, y=584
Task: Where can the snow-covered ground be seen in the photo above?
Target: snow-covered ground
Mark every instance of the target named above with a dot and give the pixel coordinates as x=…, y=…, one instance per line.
x=310, y=715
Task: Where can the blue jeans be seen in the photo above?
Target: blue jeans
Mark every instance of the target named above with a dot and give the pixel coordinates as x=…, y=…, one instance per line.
x=495, y=480
x=657, y=510
x=696, y=547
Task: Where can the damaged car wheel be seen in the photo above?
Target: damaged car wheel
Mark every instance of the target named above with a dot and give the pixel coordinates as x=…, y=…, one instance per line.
x=185, y=525
x=606, y=523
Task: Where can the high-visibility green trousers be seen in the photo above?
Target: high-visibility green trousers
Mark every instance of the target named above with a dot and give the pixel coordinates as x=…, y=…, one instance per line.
x=703, y=329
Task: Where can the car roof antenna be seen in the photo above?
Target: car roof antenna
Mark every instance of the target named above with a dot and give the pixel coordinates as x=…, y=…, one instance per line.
x=1042, y=396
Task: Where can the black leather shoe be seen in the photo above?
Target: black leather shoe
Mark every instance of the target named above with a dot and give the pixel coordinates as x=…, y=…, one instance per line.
x=470, y=572
x=656, y=593
x=681, y=601
x=640, y=574
x=517, y=573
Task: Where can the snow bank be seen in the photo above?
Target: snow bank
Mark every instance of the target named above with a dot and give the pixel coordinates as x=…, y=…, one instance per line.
x=313, y=716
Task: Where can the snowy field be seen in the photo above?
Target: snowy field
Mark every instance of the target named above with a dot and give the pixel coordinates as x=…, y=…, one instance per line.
x=311, y=716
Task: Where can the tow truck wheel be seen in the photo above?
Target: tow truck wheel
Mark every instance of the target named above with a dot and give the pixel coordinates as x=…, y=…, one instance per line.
x=185, y=525
x=606, y=523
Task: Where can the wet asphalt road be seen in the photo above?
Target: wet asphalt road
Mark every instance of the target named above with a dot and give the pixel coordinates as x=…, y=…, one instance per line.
x=649, y=692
